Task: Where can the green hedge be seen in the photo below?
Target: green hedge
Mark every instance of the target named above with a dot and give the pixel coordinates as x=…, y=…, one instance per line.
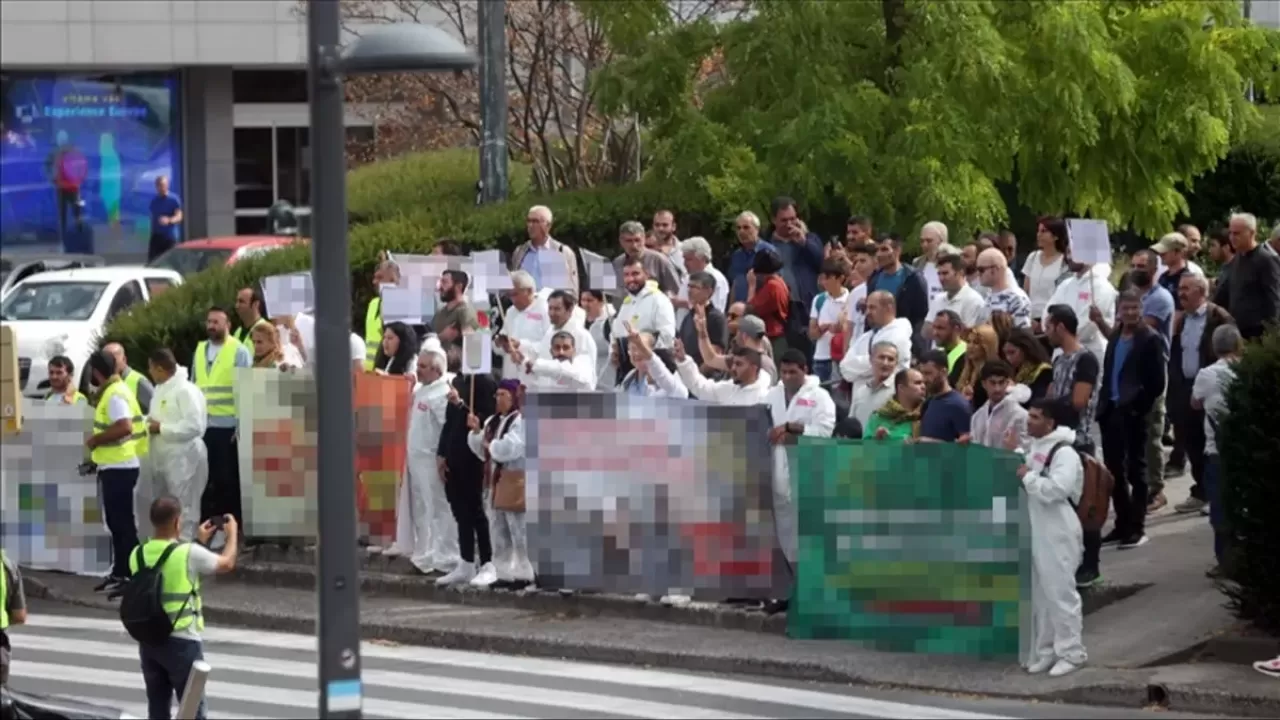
x=1247, y=179
x=404, y=205
x=1249, y=455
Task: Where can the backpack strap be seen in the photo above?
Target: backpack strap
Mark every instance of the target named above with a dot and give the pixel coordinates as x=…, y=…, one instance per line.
x=1048, y=461
x=164, y=556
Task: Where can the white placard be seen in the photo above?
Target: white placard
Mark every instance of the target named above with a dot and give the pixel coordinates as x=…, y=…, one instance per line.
x=600, y=271
x=489, y=272
x=409, y=305
x=1090, y=241
x=288, y=294
x=477, y=353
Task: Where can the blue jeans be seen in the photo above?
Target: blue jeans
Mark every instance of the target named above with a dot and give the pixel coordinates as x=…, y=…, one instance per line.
x=822, y=368
x=165, y=669
x=1213, y=494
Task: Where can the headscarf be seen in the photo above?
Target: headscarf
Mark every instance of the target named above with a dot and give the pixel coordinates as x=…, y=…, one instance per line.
x=512, y=386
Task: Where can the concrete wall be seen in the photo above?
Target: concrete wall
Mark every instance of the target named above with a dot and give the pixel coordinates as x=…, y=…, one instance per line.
x=1266, y=12
x=52, y=34
x=208, y=120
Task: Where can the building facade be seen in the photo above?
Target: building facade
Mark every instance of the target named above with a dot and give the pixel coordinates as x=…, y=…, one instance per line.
x=98, y=98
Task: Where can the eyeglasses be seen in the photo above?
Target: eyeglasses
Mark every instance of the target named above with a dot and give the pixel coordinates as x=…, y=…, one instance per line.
x=745, y=227
x=984, y=268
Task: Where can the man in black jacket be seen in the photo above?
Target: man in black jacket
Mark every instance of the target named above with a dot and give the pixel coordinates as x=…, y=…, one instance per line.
x=463, y=472
x=1133, y=378
x=909, y=290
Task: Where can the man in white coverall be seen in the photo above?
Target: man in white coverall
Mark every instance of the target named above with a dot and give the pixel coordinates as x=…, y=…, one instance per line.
x=799, y=406
x=1053, y=477
x=526, y=323
x=429, y=534
x=176, y=424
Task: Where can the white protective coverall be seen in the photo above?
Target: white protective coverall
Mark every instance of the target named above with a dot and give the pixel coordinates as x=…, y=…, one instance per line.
x=1056, y=547
x=989, y=425
x=178, y=455
x=661, y=383
x=507, y=529
x=528, y=326
x=427, y=532
x=584, y=357
x=856, y=365
x=722, y=392
x=813, y=407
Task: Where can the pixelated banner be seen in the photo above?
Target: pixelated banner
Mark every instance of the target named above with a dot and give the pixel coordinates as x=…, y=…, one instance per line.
x=911, y=548
x=651, y=495
x=51, y=517
x=277, y=414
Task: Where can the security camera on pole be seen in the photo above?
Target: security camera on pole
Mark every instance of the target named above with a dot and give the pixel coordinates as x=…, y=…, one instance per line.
x=393, y=48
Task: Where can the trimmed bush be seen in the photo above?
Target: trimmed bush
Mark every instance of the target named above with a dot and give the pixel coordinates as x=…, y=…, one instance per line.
x=436, y=187
x=1250, y=454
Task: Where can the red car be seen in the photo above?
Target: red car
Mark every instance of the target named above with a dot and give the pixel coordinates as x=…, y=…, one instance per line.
x=194, y=256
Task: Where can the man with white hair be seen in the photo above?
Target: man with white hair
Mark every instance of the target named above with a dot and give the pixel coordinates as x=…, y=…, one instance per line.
x=1005, y=296
x=1255, y=278
x=425, y=528
x=932, y=237
x=747, y=228
x=547, y=260
x=656, y=265
x=697, y=258
x=525, y=323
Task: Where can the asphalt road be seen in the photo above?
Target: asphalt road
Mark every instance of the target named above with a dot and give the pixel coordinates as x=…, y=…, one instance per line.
x=85, y=654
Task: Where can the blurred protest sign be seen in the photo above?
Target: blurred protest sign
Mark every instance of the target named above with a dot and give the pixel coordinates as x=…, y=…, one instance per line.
x=288, y=294
x=651, y=495
x=1090, y=241
x=911, y=548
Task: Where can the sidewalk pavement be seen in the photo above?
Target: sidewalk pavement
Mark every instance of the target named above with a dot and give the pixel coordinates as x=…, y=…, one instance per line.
x=1143, y=630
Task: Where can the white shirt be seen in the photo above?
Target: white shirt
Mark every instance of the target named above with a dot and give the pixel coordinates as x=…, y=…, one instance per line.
x=577, y=375
x=967, y=303
x=857, y=317
x=723, y=392
x=929, y=272
x=306, y=326
x=117, y=410
x=1209, y=388
x=648, y=311
x=868, y=397
x=1042, y=279
x=200, y=562
x=830, y=314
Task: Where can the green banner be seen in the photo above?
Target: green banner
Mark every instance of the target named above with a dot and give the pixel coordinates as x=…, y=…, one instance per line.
x=911, y=548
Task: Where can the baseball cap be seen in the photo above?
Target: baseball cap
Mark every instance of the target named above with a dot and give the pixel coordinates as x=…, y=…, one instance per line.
x=751, y=325
x=1172, y=241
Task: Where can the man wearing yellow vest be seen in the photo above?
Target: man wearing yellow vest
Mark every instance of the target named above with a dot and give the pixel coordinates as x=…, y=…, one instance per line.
x=13, y=610
x=114, y=452
x=166, y=665
x=249, y=309
x=62, y=390
x=214, y=366
x=137, y=382
x=947, y=328
x=388, y=273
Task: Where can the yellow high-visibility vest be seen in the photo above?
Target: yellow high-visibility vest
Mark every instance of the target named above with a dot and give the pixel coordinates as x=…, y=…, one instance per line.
x=142, y=444
x=218, y=382
x=124, y=449
x=245, y=335
x=179, y=596
x=372, y=332
x=955, y=354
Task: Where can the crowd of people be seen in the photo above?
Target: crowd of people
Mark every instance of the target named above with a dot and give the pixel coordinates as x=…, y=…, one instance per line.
x=1044, y=357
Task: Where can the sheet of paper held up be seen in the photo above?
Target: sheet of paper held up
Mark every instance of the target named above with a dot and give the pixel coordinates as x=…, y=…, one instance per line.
x=477, y=352
x=288, y=294
x=1090, y=241
x=600, y=271
x=409, y=305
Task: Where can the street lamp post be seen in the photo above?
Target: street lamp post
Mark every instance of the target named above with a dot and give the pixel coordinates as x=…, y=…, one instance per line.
x=406, y=47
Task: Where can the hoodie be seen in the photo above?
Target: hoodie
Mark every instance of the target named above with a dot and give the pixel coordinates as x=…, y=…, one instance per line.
x=1079, y=292
x=856, y=365
x=179, y=407
x=990, y=424
x=1053, y=489
x=723, y=392
x=812, y=407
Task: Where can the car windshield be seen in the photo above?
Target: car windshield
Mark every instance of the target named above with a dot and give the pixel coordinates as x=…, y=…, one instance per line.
x=52, y=300
x=189, y=261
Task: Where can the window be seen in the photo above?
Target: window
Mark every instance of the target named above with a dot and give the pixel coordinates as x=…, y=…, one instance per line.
x=128, y=294
x=156, y=285
x=269, y=86
x=253, y=152
x=52, y=301
x=293, y=165
x=80, y=154
x=251, y=224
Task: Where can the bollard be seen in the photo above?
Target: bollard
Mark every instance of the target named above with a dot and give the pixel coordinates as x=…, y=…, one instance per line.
x=193, y=693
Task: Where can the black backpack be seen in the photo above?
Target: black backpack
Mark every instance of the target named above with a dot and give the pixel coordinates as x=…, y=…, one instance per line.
x=142, y=601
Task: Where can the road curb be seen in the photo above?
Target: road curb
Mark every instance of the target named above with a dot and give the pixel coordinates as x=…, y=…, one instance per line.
x=1134, y=688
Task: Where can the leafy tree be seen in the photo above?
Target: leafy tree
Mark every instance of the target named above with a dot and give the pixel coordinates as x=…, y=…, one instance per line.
x=911, y=110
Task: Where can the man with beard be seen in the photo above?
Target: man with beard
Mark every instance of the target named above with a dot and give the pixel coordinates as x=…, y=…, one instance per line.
x=656, y=265
x=560, y=307
x=567, y=370
x=455, y=315
x=462, y=472
x=61, y=389
x=664, y=240
x=644, y=308
x=746, y=386
x=214, y=365
x=947, y=414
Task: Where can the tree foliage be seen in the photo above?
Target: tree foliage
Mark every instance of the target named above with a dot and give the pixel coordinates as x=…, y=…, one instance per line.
x=912, y=110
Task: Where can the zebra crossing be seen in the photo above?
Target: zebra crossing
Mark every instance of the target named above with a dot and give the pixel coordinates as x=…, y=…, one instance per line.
x=273, y=675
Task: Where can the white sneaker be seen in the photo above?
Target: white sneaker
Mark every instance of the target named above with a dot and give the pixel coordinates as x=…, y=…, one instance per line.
x=1062, y=667
x=523, y=571
x=460, y=575
x=393, y=551
x=1041, y=665
x=487, y=576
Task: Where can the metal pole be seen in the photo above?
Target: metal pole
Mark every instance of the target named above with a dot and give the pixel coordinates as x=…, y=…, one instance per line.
x=193, y=693
x=338, y=624
x=493, y=100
